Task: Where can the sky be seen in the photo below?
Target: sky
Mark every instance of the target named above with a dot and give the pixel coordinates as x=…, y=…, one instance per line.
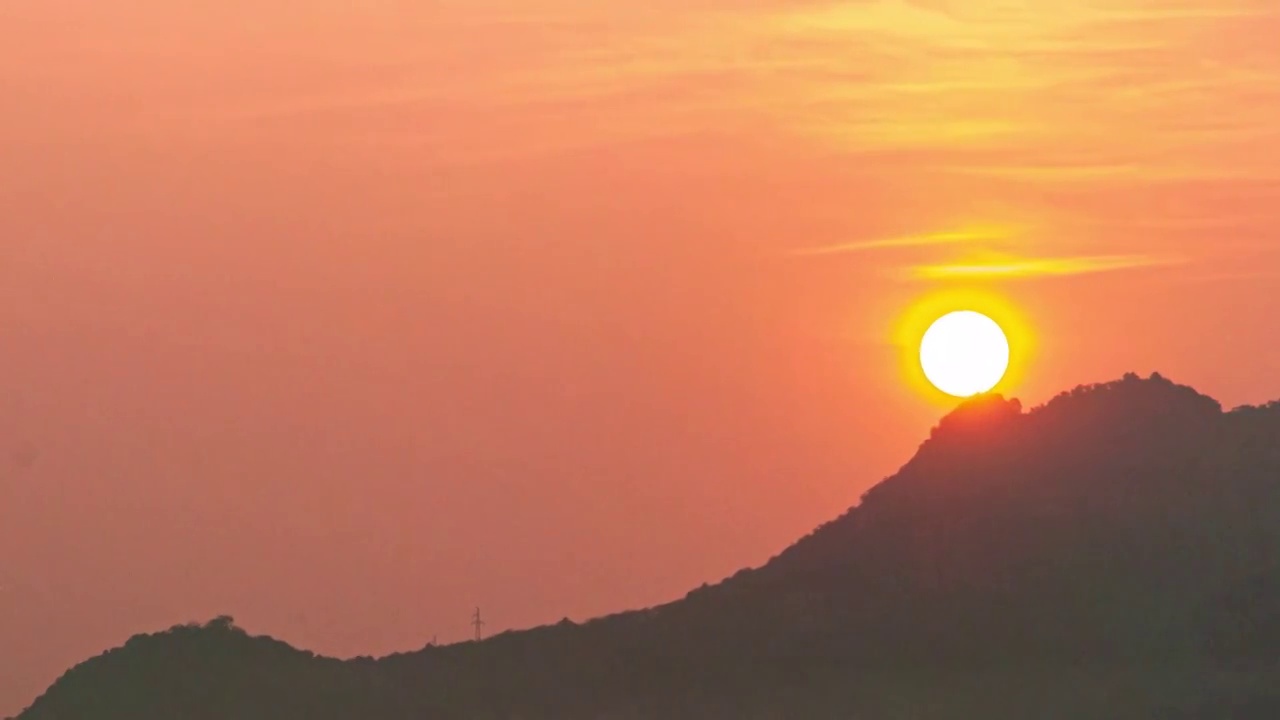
x=345, y=318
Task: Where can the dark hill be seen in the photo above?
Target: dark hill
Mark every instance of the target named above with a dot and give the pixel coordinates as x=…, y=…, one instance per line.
x=1112, y=554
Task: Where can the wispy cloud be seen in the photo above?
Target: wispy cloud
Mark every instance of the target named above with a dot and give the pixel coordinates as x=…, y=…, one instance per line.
x=1017, y=268
x=1053, y=173
x=909, y=241
x=990, y=91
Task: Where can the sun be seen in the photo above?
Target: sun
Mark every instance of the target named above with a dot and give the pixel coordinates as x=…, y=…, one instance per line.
x=964, y=353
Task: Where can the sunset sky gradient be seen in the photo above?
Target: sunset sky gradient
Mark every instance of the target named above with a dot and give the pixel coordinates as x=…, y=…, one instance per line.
x=343, y=318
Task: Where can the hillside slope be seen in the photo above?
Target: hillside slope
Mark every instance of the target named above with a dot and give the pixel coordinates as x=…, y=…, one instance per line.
x=1114, y=553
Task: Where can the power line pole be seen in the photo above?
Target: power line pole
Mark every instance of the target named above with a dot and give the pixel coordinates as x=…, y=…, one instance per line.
x=477, y=623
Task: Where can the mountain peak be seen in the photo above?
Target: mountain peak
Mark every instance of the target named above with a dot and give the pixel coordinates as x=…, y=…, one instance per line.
x=978, y=414
x=990, y=461
x=1131, y=400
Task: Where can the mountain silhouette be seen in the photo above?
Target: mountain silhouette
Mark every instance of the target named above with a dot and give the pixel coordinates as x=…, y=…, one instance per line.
x=1114, y=553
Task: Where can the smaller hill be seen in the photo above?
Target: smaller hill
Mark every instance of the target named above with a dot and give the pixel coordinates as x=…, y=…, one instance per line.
x=210, y=670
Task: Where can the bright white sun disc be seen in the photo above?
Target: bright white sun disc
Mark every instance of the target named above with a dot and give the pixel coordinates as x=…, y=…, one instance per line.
x=964, y=354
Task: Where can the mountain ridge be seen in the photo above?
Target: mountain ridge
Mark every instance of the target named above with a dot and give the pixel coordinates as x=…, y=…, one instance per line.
x=1114, y=524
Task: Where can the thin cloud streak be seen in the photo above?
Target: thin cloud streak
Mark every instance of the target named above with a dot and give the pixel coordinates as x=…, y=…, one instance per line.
x=1040, y=267
x=910, y=241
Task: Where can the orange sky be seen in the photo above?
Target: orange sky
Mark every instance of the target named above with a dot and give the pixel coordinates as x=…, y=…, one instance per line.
x=343, y=321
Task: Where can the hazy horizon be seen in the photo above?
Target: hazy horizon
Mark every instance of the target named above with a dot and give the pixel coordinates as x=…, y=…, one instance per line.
x=344, y=321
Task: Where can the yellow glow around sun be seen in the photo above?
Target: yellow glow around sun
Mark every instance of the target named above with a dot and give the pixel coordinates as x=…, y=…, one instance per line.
x=938, y=384
x=964, y=353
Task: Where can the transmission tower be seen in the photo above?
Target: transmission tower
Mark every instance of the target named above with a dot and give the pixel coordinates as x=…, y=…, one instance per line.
x=478, y=624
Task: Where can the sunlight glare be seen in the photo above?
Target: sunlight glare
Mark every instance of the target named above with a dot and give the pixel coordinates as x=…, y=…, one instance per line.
x=964, y=353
